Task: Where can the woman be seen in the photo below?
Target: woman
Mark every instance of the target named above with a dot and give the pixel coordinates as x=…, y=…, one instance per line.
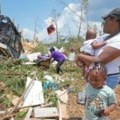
x=59, y=57
x=110, y=53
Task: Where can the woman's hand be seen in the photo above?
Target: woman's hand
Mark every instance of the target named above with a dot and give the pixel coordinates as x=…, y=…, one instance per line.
x=79, y=62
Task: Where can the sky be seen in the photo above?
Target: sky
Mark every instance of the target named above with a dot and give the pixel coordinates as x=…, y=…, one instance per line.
x=36, y=15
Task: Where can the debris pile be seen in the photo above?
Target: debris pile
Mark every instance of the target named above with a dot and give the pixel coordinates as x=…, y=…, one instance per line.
x=10, y=38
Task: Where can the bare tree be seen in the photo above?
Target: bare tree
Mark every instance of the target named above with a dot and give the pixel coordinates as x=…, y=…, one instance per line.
x=84, y=10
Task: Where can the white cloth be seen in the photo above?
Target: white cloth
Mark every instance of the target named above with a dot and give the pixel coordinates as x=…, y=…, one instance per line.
x=71, y=56
x=87, y=47
x=100, y=39
x=113, y=66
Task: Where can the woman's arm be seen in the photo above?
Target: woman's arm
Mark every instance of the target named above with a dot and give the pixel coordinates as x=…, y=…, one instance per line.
x=87, y=59
x=109, y=54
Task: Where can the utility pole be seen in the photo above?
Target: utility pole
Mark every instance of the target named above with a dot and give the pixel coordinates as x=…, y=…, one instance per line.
x=55, y=20
x=35, y=29
x=0, y=10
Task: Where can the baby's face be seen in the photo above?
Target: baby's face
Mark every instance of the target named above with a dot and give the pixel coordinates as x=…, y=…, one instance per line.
x=96, y=79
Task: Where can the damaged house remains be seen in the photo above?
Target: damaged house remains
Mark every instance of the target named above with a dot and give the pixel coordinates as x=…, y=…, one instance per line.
x=10, y=39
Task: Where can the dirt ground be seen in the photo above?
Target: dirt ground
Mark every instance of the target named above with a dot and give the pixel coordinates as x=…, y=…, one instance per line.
x=75, y=110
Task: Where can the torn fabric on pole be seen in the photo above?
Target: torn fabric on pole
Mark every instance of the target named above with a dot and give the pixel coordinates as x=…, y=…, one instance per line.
x=51, y=29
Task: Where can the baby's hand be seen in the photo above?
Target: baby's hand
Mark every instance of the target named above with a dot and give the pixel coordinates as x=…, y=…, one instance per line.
x=105, y=42
x=99, y=113
x=80, y=64
x=106, y=112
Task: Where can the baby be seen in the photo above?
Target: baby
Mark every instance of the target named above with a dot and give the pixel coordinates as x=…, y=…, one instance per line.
x=88, y=48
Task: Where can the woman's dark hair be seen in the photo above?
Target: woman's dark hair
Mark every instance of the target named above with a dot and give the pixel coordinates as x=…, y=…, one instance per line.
x=52, y=49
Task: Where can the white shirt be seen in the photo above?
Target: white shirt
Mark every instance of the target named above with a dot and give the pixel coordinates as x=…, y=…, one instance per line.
x=87, y=47
x=100, y=39
x=113, y=66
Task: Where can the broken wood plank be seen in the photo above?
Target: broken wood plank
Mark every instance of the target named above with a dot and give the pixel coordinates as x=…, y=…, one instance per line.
x=62, y=95
x=40, y=119
x=2, y=112
x=45, y=112
x=59, y=109
x=3, y=46
x=13, y=98
x=28, y=114
x=63, y=111
x=40, y=105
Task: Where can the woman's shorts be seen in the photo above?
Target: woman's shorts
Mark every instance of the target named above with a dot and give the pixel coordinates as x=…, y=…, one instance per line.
x=113, y=80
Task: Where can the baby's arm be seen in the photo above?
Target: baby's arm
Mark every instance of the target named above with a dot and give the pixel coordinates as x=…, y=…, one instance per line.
x=109, y=109
x=96, y=45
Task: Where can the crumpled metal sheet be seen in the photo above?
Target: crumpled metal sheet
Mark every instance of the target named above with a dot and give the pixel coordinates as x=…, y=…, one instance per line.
x=9, y=37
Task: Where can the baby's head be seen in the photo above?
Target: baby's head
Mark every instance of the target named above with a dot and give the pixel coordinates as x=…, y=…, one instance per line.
x=97, y=74
x=91, y=34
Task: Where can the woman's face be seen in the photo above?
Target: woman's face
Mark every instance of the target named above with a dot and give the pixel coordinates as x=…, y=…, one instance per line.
x=110, y=25
x=107, y=25
x=96, y=79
